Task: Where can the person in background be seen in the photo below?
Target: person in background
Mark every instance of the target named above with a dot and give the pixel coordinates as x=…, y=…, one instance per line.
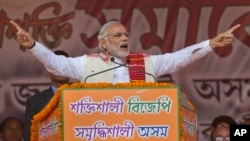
x=11, y=129
x=221, y=128
x=223, y=121
x=220, y=134
x=37, y=102
x=114, y=41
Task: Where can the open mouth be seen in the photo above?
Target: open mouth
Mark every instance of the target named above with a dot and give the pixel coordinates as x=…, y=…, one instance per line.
x=124, y=46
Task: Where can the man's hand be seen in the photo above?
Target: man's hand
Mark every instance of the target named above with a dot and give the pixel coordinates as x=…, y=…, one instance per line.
x=22, y=37
x=223, y=39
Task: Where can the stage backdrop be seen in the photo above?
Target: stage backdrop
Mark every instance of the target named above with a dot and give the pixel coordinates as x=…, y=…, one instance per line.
x=217, y=84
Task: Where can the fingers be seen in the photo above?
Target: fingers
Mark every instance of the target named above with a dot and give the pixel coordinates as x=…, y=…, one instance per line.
x=223, y=39
x=227, y=40
x=228, y=34
x=21, y=39
x=16, y=26
x=231, y=30
x=21, y=34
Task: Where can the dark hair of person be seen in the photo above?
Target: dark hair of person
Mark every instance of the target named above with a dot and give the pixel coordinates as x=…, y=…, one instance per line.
x=8, y=119
x=223, y=118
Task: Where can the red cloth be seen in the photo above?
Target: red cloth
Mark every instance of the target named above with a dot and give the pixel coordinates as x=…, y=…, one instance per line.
x=136, y=67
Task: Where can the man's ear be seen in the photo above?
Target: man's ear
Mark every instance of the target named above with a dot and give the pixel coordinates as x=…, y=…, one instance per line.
x=103, y=44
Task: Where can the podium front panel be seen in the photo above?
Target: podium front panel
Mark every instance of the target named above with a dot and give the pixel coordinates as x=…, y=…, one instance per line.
x=121, y=114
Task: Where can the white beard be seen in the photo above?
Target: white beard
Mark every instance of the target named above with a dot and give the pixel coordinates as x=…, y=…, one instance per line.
x=115, y=51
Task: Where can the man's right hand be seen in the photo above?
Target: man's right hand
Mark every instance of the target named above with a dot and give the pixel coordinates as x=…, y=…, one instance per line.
x=23, y=37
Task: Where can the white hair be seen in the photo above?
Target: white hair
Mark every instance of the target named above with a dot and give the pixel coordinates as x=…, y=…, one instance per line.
x=103, y=30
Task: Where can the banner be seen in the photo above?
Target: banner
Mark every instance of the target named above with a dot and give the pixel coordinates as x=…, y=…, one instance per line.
x=102, y=111
x=138, y=114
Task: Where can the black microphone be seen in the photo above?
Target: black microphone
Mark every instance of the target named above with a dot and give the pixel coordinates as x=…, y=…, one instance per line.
x=120, y=65
x=127, y=62
x=112, y=59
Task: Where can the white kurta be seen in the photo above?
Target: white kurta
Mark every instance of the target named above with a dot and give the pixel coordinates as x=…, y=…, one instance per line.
x=162, y=64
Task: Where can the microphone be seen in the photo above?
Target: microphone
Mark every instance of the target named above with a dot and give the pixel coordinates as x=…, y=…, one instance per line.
x=112, y=59
x=120, y=65
x=125, y=65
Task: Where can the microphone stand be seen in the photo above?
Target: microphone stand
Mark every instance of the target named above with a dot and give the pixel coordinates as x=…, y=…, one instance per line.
x=85, y=80
x=125, y=65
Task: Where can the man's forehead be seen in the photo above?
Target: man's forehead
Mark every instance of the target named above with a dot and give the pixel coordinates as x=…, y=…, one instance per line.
x=222, y=130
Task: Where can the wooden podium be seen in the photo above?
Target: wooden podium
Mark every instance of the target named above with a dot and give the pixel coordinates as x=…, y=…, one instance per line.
x=129, y=111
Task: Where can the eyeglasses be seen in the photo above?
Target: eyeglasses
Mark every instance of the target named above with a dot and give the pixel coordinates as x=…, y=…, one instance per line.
x=220, y=138
x=119, y=34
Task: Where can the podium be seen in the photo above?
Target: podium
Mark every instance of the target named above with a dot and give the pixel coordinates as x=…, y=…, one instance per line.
x=126, y=111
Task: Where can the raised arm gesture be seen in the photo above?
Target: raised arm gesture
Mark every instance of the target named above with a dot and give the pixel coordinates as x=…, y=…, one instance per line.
x=23, y=37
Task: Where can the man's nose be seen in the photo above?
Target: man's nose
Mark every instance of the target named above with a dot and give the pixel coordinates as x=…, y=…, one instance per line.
x=125, y=36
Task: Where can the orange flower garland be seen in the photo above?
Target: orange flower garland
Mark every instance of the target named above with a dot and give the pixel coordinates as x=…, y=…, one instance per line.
x=57, y=102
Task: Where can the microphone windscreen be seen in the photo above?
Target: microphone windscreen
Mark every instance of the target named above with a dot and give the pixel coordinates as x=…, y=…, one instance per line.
x=112, y=59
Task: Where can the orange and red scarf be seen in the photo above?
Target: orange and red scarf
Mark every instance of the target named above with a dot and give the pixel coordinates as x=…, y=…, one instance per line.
x=136, y=67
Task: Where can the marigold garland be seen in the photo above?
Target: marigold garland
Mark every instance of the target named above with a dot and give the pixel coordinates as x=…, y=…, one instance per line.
x=57, y=101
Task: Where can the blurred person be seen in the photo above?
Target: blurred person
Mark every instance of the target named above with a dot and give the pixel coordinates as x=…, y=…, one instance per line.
x=38, y=101
x=223, y=121
x=11, y=129
x=220, y=128
x=114, y=41
x=220, y=134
